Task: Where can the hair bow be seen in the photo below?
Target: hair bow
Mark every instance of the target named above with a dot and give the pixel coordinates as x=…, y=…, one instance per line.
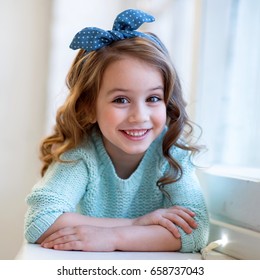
x=125, y=25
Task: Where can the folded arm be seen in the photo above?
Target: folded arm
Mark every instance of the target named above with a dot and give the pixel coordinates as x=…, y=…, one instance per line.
x=155, y=231
x=70, y=220
x=125, y=238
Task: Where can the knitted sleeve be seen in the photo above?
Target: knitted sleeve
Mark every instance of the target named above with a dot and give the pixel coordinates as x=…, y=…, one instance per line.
x=59, y=191
x=187, y=193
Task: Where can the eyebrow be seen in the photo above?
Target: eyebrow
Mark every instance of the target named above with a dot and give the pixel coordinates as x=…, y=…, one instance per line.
x=116, y=90
x=127, y=90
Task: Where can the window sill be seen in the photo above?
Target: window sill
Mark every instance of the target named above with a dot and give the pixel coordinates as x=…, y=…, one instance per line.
x=233, y=196
x=242, y=173
x=36, y=252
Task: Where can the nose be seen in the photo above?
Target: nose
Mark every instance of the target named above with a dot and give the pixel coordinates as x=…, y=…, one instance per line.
x=139, y=113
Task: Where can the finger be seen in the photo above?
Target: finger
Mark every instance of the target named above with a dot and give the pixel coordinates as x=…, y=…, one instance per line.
x=180, y=216
x=69, y=246
x=60, y=240
x=181, y=222
x=59, y=233
x=169, y=225
x=186, y=210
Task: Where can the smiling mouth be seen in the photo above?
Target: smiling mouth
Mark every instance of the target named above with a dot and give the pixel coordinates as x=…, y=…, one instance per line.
x=136, y=132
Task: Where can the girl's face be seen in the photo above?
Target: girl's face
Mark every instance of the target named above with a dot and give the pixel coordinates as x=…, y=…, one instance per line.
x=131, y=112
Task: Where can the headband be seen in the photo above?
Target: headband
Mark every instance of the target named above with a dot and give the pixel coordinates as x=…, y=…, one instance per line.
x=125, y=25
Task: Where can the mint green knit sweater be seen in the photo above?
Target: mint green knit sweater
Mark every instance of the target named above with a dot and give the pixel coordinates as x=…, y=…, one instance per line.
x=91, y=187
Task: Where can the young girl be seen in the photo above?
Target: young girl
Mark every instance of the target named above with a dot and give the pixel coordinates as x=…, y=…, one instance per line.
x=117, y=171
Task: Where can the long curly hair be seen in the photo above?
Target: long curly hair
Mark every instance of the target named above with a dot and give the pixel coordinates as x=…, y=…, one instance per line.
x=75, y=118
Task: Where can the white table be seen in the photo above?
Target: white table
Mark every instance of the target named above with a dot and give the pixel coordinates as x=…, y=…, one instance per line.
x=36, y=252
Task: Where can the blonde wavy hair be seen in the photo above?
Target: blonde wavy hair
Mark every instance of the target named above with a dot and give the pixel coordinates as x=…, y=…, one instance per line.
x=74, y=120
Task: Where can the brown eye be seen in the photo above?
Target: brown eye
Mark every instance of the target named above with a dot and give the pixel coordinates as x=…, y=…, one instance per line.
x=154, y=99
x=121, y=100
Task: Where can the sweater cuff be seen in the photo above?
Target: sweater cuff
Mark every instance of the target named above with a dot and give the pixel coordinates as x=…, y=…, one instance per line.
x=187, y=241
x=34, y=231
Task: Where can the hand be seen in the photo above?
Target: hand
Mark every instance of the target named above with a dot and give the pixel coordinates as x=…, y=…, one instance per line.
x=81, y=238
x=170, y=218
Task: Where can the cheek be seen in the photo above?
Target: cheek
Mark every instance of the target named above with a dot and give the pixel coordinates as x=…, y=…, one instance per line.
x=109, y=116
x=160, y=116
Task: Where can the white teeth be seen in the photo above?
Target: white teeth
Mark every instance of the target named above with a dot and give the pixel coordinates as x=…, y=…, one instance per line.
x=136, y=133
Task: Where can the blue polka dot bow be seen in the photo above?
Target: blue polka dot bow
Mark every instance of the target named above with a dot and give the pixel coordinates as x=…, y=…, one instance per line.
x=125, y=25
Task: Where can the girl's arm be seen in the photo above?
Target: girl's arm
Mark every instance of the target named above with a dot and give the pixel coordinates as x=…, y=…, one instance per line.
x=146, y=238
x=168, y=218
x=187, y=193
x=126, y=238
x=75, y=219
x=155, y=231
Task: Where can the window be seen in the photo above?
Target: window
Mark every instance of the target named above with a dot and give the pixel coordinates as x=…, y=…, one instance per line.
x=228, y=91
x=227, y=103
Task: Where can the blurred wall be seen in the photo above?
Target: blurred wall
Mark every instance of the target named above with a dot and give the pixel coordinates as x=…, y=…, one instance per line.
x=24, y=44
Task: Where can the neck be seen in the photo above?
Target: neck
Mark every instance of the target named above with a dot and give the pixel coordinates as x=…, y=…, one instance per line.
x=125, y=164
